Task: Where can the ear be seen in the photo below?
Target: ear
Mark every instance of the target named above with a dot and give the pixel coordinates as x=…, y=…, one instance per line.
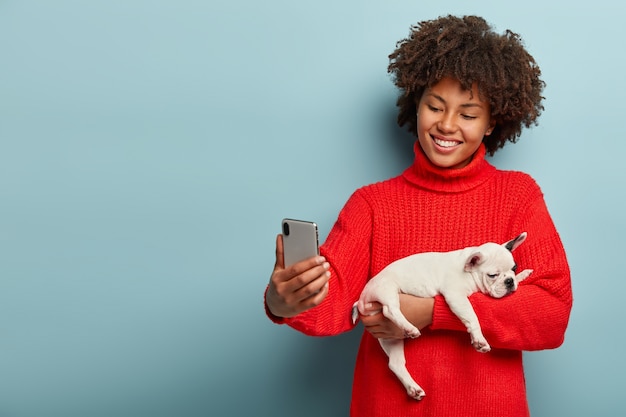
x=473, y=261
x=492, y=125
x=511, y=245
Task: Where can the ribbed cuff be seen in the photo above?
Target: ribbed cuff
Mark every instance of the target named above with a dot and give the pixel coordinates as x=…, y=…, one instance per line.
x=444, y=318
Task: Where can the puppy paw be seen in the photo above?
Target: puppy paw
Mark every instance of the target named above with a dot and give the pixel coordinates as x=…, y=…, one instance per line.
x=481, y=345
x=483, y=348
x=416, y=392
x=412, y=333
x=523, y=275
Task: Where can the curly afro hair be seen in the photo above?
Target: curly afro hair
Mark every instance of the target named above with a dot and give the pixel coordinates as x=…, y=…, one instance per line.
x=467, y=48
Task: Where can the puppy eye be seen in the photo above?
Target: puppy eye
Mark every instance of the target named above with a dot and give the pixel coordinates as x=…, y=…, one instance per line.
x=492, y=276
x=514, y=268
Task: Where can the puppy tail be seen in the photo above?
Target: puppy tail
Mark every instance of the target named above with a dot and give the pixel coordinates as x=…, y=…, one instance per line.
x=355, y=312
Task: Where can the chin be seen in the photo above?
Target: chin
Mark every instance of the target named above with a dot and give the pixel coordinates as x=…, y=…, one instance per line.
x=498, y=292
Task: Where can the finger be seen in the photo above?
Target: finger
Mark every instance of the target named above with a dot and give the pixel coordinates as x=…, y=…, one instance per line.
x=300, y=275
x=306, y=265
x=372, y=307
x=378, y=334
x=373, y=319
x=311, y=282
x=376, y=330
x=316, y=298
x=280, y=254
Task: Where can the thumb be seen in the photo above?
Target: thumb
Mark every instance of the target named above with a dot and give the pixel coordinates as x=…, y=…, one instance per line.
x=280, y=254
x=372, y=308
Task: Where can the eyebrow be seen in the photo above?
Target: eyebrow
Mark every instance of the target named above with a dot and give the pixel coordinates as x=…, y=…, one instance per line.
x=464, y=105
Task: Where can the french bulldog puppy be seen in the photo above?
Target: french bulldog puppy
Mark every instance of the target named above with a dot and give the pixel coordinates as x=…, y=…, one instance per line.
x=455, y=275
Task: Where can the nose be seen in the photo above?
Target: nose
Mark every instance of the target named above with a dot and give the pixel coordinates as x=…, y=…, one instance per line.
x=446, y=123
x=509, y=283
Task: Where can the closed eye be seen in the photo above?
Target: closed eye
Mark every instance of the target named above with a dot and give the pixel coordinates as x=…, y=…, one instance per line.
x=433, y=108
x=514, y=268
x=492, y=276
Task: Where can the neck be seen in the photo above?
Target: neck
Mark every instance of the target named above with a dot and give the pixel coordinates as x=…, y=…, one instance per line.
x=427, y=175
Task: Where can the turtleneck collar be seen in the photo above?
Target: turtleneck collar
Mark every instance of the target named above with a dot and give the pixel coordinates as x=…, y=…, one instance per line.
x=426, y=175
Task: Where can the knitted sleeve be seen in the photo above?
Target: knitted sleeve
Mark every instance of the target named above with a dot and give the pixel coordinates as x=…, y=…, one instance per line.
x=348, y=250
x=535, y=317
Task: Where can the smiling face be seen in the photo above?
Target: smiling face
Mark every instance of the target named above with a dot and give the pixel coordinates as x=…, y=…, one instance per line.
x=451, y=123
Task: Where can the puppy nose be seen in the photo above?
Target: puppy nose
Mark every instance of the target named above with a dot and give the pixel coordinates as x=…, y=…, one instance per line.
x=509, y=283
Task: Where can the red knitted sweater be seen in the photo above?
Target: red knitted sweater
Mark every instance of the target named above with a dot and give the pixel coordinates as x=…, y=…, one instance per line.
x=432, y=209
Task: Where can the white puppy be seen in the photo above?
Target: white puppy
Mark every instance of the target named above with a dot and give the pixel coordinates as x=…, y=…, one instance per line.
x=455, y=275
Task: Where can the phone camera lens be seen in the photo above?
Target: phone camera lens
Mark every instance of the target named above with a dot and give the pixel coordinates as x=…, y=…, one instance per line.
x=286, y=229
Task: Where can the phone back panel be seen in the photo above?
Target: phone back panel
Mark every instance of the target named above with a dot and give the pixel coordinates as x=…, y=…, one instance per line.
x=300, y=240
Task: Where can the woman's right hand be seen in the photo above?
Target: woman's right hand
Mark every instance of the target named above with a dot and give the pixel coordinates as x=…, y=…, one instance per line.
x=298, y=287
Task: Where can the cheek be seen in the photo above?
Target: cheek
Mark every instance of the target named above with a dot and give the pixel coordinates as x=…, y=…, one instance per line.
x=474, y=137
x=424, y=124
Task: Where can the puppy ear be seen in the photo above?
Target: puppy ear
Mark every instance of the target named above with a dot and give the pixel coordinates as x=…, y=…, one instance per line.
x=473, y=261
x=511, y=245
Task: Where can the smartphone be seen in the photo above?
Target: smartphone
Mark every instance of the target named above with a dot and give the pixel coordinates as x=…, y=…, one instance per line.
x=300, y=240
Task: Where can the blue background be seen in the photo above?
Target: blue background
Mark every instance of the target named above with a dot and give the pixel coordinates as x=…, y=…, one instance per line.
x=149, y=150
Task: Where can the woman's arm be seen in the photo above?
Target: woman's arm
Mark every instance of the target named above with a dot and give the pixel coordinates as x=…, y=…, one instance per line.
x=536, y=316
x=347, y=253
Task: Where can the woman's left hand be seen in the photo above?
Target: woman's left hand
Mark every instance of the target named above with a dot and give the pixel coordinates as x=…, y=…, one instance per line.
x=378, y=325
x=419, y=311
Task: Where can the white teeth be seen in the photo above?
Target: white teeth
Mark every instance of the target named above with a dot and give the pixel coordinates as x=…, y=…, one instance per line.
x=445, y=143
